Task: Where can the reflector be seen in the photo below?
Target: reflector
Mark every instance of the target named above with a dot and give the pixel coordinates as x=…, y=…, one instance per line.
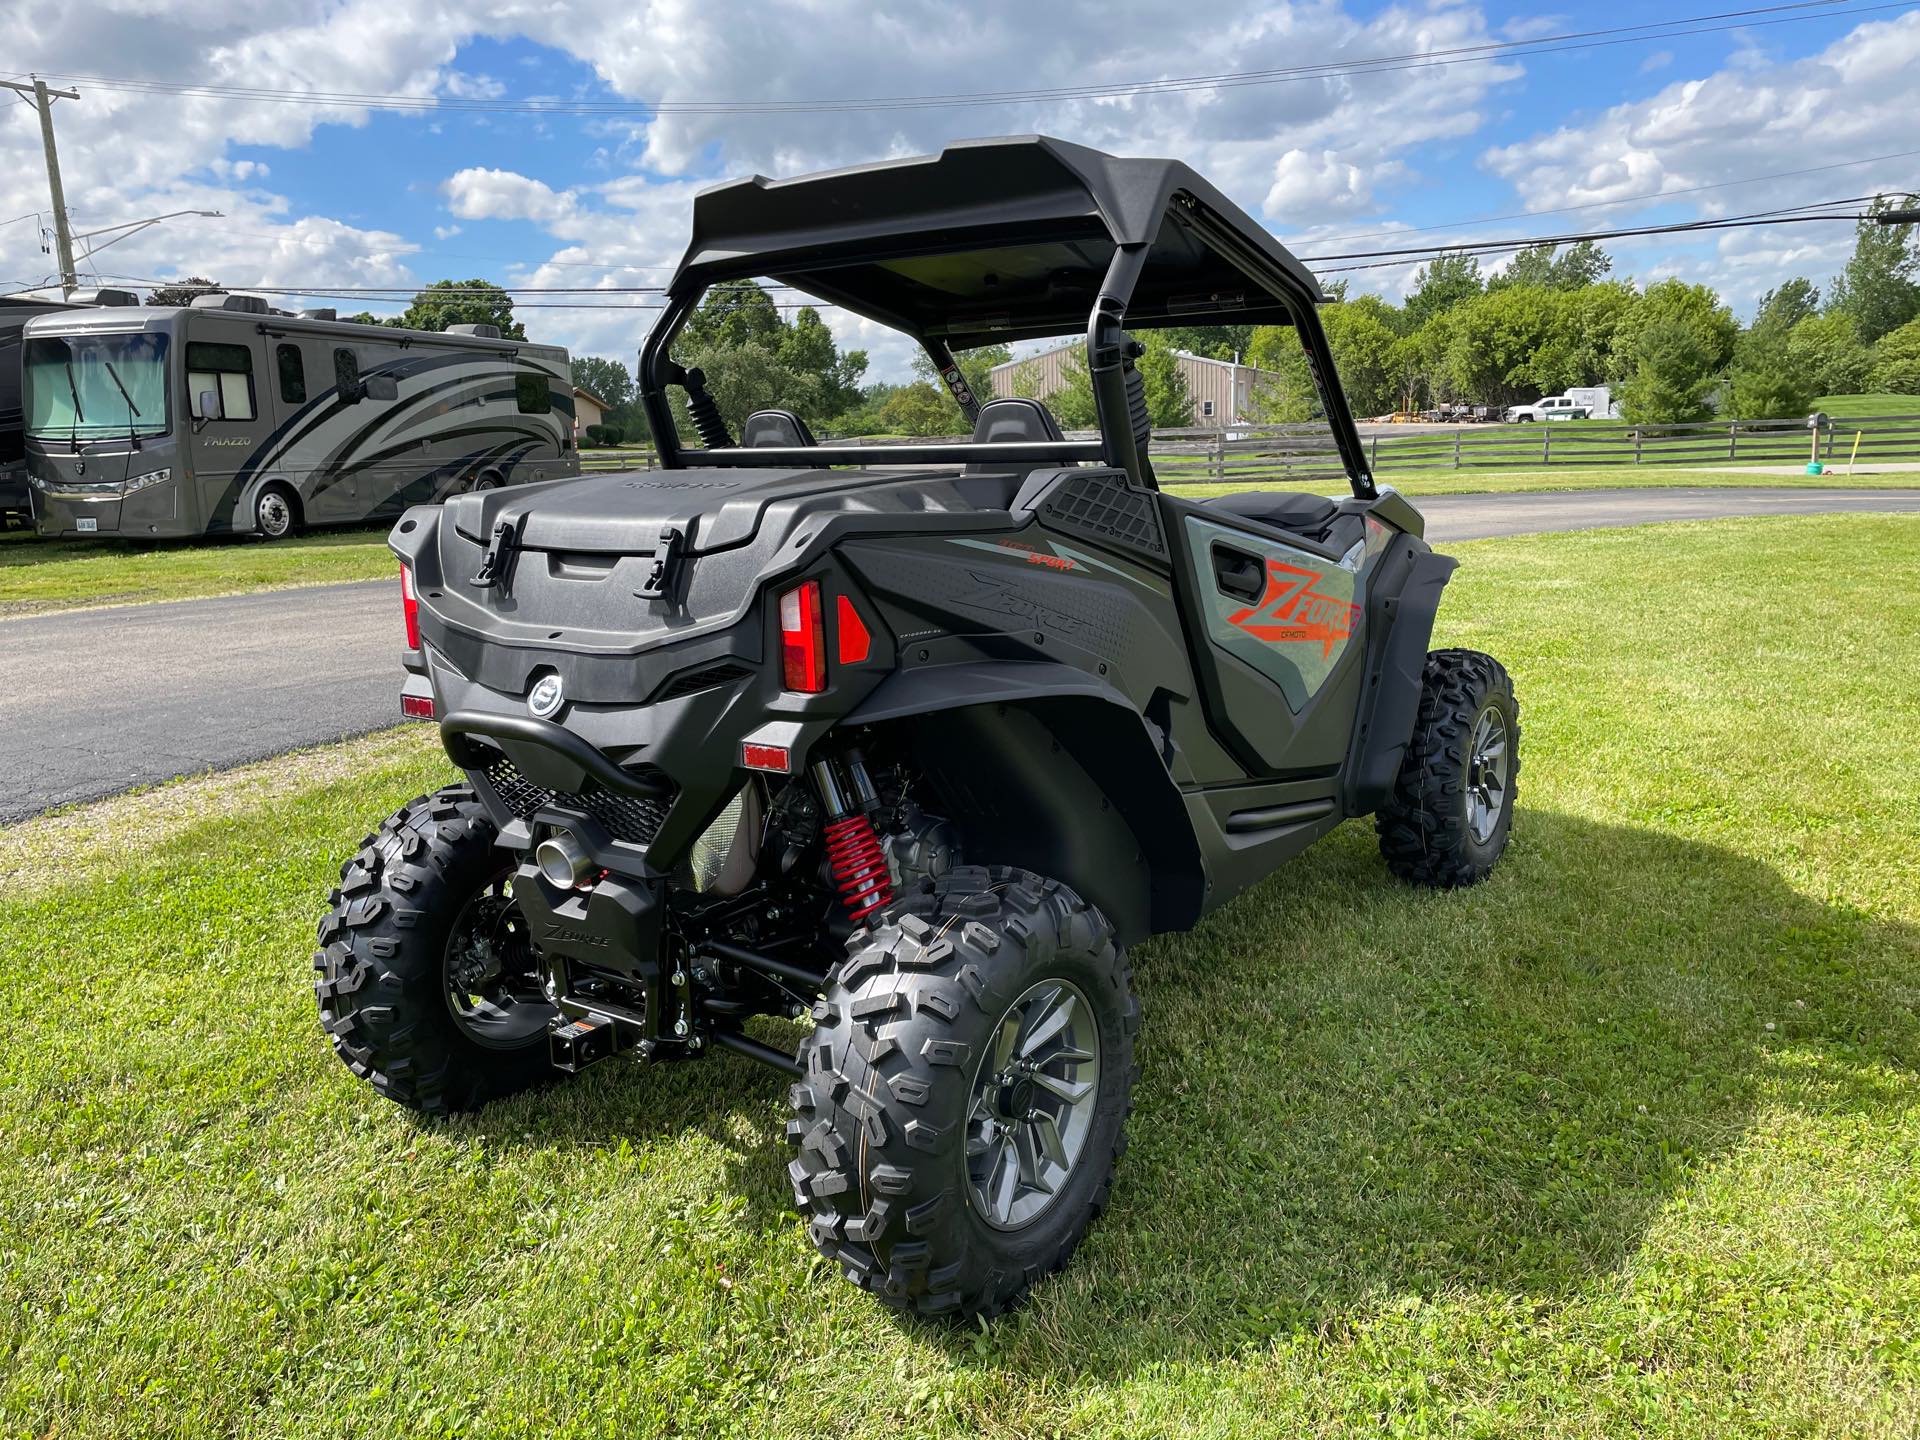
x=765, y=757
x=410, y=607
x=417, y=707
x=855, y=642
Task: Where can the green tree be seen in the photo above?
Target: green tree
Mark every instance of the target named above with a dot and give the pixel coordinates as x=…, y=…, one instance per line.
x=734, y=312
x=807, y=347
x=609, y=379
x=1364, y=335
x=1441, y=284
x=1765, y=383
x=755, y=359
x=182, y=292
x=1072, y=404
x=1896, y=360
x=1827, y=350
x=1169, y=407
x=1507, y=345
x=1285, y=394
x=461, y=302
x=1542, y=266
x=921, y=408
x=1877, y=290
x=1676, y=368
x=743, y=378
x=1789, y=304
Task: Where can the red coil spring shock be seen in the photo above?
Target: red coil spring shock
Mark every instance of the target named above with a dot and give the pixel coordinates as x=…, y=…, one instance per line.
x=859, y=866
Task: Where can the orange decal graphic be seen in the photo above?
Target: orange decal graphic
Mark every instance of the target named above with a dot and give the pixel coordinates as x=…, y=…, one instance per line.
x=1293, y=612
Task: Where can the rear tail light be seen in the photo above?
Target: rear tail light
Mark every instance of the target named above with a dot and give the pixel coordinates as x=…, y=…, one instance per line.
x=410, y=607
x=803, y=644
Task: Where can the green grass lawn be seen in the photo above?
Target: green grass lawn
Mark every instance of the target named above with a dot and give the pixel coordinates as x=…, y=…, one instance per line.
x=38, y=575
x=1494, y=481
x=1623, y=1141
x=1850, y=407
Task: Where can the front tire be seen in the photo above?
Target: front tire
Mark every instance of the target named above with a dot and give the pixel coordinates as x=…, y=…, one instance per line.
x=1451, y=811
x=966, y=1091
x=427, y=982
x=276, y=512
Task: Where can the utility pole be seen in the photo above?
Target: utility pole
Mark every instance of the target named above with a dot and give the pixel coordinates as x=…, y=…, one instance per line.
x=43, y=99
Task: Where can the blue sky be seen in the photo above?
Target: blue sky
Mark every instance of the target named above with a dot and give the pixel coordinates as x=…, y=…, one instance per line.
x=349, y=196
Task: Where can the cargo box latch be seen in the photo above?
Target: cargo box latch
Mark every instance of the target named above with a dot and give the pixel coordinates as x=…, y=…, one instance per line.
x=497, y=563
x=666, y=564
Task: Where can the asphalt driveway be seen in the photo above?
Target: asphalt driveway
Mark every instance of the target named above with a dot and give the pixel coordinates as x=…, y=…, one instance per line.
x=95, y=702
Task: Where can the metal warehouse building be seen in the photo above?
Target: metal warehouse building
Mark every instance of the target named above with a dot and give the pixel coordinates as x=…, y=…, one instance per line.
x=1221, y=390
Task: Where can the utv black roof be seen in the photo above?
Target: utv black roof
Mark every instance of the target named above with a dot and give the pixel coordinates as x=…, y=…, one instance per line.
x=995, y=240
x=992, y=241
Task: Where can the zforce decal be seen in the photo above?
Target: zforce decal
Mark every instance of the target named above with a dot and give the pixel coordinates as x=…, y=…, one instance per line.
x=1293, y=612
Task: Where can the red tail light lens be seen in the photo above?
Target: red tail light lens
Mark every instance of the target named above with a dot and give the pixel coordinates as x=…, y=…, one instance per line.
x=803, y=642
x=410, y=607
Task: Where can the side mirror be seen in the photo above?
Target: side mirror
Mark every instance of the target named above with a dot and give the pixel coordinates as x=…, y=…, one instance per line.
x=208, y=408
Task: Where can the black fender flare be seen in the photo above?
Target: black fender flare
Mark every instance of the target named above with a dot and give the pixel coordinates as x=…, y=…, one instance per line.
x=1404, y=615
x=1054, y=770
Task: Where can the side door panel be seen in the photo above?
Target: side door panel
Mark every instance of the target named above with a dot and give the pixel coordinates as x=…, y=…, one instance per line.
x=1276, y=631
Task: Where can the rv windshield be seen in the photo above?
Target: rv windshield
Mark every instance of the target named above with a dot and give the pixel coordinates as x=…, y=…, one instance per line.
x=92, y=387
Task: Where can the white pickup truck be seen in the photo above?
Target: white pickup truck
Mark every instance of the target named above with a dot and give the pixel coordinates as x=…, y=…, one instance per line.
x=1579, y=403
x=1553, y=407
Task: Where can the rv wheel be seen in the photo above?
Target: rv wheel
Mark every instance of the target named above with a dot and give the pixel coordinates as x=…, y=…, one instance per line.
x=276, y=512
x=489, y=481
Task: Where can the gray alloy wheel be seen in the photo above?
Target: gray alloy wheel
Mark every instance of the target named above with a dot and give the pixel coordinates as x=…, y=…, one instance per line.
x=1034, y=1098
x=493, y=989
x=274, y=512
x=1487, y=764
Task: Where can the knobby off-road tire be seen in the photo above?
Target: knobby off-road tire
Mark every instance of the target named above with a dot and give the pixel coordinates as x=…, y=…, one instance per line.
x=908, y=1029
x=386, y=963
x=1451, y=811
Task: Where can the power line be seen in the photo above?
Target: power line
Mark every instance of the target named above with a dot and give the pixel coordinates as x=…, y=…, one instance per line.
x=1408, y=257
x=1574, y=237
x=1621, y=200
x=1749, y=18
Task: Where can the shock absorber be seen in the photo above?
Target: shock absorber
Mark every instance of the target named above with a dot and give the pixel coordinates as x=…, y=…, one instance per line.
x=854, y=854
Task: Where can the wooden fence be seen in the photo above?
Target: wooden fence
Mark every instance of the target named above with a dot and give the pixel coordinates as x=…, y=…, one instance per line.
x=1306, y=453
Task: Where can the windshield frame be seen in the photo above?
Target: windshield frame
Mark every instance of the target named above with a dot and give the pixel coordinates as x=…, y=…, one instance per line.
x=123, y=379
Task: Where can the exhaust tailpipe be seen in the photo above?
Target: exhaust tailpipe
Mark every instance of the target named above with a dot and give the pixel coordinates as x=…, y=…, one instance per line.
x=562, y=861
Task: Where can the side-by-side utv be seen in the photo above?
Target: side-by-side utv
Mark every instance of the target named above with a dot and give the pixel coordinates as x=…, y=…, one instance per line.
x=909, y=742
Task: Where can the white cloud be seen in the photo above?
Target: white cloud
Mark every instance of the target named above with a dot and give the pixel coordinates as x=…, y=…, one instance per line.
x=482, y=194
x=1658, y=60
x=446, y=232
x=1854, y=98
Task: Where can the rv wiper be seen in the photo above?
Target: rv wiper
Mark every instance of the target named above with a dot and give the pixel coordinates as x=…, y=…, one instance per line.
x=133, y=410
x=79, y=415
x=116, y=385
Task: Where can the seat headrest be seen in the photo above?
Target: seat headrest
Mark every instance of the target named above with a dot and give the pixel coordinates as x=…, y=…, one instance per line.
x=1014, y=419
x=775, y=427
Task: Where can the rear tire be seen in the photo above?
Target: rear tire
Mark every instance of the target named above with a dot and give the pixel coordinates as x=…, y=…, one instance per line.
x=1451, y=811
x=276, y=512
x=421, y=916
x=951, y=1149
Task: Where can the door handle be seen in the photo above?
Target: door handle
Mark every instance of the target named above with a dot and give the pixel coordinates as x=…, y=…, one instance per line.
x=1238, y=574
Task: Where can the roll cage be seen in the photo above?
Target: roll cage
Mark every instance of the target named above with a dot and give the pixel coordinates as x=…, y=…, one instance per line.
x=993, y=241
